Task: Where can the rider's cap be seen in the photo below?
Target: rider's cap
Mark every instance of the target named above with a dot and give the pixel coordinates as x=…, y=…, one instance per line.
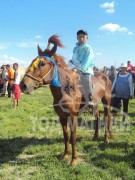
x=82, y=31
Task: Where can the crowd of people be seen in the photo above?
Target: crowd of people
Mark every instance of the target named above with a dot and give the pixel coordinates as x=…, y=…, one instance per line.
x=9, y=83
x=123, y=82
x=123, y=86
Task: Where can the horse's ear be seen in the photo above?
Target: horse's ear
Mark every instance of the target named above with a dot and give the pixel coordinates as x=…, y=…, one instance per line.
x=53, y=50
x=39, y=50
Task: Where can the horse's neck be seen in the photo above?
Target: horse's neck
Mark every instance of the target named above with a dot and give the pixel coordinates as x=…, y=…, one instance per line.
x=66, y=76
x=56, y=92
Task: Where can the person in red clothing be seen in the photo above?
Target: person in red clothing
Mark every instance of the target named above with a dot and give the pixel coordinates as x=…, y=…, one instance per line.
x=130, y=67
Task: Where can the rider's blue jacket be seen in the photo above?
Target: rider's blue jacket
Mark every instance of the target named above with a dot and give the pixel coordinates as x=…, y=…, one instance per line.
x=83, y=58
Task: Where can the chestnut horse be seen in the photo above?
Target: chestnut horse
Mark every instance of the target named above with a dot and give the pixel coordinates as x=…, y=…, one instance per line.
x=69, y=101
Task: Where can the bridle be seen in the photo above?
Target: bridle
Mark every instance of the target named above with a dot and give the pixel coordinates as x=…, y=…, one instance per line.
x=41, y=79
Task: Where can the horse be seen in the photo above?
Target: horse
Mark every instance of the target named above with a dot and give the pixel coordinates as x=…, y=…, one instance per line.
x=68, y=99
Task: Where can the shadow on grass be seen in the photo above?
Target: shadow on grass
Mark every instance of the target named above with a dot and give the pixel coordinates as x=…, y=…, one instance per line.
x=115, y=158
x=11, y=148
x=131, y=114
x=127, y=153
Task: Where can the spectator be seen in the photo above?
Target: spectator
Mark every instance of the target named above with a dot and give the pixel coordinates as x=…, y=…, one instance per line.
x=133, y=74
x=1, y=83
x=130, y=67
x=4, y=80
x=123, y=85
x=105, y=70
x=95, y=68
x=113, y=74
x=16, y=86
x=10, y=79
x=131, y=70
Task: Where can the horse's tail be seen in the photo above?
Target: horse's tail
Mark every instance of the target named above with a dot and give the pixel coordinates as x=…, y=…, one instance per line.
x=56, y=42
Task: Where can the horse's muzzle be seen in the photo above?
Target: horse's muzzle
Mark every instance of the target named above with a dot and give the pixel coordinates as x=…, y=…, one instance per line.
x=24, y=88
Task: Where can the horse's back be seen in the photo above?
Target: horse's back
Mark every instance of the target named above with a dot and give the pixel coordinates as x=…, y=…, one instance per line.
x=102, y=86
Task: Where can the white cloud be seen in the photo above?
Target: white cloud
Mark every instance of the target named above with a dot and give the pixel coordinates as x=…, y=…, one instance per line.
x=38, y=37
x=130, y=33
x=30, y=44
x=98, y=53
x=109, y=7
x=113, y=27
x=23, y=44
x=110, y=11
x=3, y=46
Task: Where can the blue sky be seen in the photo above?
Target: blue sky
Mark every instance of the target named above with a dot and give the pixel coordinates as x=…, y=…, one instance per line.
x=26, y=23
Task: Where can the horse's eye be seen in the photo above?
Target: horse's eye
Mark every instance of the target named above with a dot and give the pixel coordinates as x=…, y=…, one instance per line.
x=42, y=64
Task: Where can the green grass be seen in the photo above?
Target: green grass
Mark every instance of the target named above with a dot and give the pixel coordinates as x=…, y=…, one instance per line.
x=31, y=144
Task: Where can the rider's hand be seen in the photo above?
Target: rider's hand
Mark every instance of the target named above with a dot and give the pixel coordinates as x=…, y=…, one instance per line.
x=75, y=70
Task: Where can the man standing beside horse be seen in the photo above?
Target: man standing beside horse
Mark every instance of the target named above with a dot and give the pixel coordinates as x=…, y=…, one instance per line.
x=10, y=80
x=82, y=62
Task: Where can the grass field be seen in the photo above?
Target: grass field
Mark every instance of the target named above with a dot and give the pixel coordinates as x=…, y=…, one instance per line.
x=31, y=144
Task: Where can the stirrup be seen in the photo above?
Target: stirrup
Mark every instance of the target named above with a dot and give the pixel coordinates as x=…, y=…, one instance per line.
x=90, y=97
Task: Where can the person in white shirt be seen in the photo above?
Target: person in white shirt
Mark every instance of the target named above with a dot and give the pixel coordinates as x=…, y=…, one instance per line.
x=16, y=85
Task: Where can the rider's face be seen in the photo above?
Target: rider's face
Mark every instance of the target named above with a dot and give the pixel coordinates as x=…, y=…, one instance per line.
x=82, y=38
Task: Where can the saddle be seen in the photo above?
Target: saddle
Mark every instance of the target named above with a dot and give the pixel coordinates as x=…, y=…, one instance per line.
x=83, y=82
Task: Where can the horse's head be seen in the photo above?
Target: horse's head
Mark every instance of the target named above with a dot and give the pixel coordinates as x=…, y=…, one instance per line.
x=41, y=70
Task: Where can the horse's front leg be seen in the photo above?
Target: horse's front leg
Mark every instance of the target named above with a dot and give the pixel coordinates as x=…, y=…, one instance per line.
x=66, y=137
x=97, y=121
x=106, y=130
x=73, y=127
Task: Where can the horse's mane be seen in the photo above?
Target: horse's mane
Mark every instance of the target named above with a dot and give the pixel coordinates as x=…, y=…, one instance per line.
x=66, y=75
x=55, y=40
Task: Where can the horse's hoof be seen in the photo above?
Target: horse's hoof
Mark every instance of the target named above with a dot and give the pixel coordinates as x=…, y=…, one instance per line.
x=73, y=162
x=95, y=138
x=65, y=156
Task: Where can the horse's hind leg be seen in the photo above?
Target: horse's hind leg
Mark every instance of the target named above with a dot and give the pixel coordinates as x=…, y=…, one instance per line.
x=108, y=123
x=66, y=137
x=97, y=121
